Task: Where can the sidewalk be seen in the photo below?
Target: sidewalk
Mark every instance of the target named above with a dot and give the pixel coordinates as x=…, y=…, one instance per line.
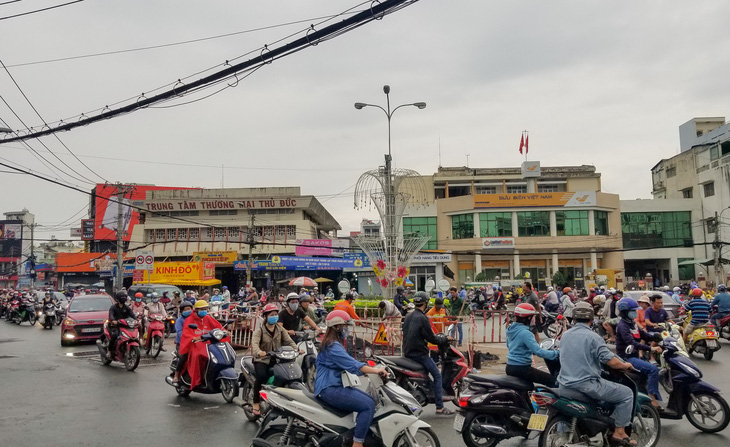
x=492, y=366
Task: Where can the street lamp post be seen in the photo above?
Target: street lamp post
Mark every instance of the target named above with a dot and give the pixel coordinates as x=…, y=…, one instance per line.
x=717, y=245
x=389, y=226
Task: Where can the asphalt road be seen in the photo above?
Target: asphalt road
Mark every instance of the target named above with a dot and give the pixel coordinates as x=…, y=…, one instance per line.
x=54, y=398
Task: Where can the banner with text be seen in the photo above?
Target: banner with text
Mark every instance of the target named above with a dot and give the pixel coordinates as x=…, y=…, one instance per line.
x=566, y=199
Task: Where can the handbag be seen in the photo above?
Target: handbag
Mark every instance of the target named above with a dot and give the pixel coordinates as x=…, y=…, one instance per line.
x=350, y=380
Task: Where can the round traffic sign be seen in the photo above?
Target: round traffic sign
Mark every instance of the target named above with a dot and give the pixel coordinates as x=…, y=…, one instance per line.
x=149, y=260
x=140, y=260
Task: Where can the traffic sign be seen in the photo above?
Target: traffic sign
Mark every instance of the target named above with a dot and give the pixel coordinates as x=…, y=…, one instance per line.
x=144, y=261
x=138, y=275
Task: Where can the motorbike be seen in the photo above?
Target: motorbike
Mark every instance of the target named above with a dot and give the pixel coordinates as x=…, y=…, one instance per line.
x=308, y=361
x=704, y=339
x=24, y=311
x=127, y=346
x=11, y=308
x=688, y=394
x=219, y=374
x=299, y=418
x=493, y=408
x=575, y=419
x=285, y=373
x=60, y=315
x=154, y=337
x=47, y=315
x=215, y=308
x=723, y=328
x=556, y=329
x=415, y=379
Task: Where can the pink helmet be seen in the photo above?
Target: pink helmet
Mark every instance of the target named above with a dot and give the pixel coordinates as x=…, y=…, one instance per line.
x=337, y=317
x=271, y=307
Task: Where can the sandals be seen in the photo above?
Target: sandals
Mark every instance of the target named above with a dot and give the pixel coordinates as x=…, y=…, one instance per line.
x=445, y=411
x=256, y=412
x=624, y=442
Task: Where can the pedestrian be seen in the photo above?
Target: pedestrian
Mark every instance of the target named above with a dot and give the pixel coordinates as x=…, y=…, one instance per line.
x=458, y=310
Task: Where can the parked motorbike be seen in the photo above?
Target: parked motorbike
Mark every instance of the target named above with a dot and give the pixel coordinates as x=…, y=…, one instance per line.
x=703, y=340
x=47, y=315
x=299, y=418
x=154, y=337
x=688, y=394
x=126, y=349
x=24, y=311
x=413, y=377
x=493, y=408
x=285, y=373
x=219, y=374
x=575, y=419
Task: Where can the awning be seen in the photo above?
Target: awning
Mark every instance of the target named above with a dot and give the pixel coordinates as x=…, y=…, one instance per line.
x=705, y=262
x=189, y=282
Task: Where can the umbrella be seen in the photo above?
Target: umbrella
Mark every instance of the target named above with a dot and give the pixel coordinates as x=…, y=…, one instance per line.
x=408, y=283
x=302, y=281
x=323, y=280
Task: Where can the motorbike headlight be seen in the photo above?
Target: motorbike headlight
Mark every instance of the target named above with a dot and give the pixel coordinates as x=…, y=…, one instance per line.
x=218, y=334
x=694, y=372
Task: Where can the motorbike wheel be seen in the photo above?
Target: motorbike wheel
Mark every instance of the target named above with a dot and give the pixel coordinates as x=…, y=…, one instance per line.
x=273, y=437
x=557, y=432
x=424, y=436
x=470, y=439
x=711, y=403
x=311, y=374
x=131, y=360
x=647, y=426
x=247, y=400
x=50, y=323
x=708, y=353
x=229, y=389
x=104, y=361
x=551, y=330
x=167, y=329
x=183, y=392
x=155, y=346
x=31, y=318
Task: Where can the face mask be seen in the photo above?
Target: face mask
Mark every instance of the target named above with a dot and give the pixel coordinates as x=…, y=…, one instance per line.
x=154, y=300
x=273, y=319
x=139, y=300
x=202, y=313
x=344, y=333
x=632, y=314
x=123, y=300
x=294, y=306
x=186, y=313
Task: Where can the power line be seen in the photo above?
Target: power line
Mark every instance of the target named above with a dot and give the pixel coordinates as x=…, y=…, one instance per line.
x=267, y=55
x=39, y=10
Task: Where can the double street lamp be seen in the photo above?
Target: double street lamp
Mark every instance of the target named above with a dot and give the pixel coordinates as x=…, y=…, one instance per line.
x=389, y=218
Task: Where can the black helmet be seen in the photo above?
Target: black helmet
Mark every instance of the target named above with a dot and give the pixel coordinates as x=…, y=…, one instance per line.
x=400, y=289
x=420, y=298
x=439, y=302
x=121, y=296
x=304, y=298
x=185, y=304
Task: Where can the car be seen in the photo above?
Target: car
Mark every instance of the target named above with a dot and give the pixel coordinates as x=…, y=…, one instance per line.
x=670, y=305
x=60, y=297
x=85, y=318
x=146, y=289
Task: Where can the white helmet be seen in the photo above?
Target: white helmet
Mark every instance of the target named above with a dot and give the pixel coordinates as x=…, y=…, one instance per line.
x=550, y=288
x=676, y=289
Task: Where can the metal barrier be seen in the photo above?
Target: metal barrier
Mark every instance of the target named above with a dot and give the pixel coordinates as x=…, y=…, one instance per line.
x=493, y=326
x=241, y=330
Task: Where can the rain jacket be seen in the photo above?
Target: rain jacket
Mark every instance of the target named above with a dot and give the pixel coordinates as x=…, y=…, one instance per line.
x=197, y=352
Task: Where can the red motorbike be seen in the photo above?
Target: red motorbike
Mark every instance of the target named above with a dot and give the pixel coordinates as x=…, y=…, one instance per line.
x=12, y=309
x=127, y=347
x=155, y=334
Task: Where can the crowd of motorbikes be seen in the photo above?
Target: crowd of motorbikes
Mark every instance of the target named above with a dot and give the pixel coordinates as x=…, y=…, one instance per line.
x=19, y=308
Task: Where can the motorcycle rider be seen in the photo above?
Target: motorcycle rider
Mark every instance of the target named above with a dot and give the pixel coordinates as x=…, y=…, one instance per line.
x=722, y=301
x=551, y=300
x=118, y=311
x=583, y=352
x=417, y=333
x=676, y=295
x=293, y=314
x=155, y=307
x=305, y=301
x=226, y=295
x=610, y=315
x=566, y=302
x=644, y=304
x=521, y=346
x=331, y=362
x=267, y=337
x=205, y=324
x=400, y=300
x=656, y=314
x=49, y=299
x=628, y=334
x=700, y=309
x=138, y=304
x=186, y=308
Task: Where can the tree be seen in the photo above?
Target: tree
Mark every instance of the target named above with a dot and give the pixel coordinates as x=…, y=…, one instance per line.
x=481, y=277
x=559, y=279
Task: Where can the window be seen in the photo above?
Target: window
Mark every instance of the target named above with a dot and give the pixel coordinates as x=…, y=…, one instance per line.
x=194, y=233
x=671, y=171
x=687, y=193
x=547, y=188
x=182, y=234
x=159, y=235
x=709, y=189
x=234, y=233
x=600, y=221
x=425, y=226
x=462, y=226
x=223, y=212
x=495, y=224
x=571, y=223
x=656, y=230
x=714, y=153
x=533, y=223
x=291, y=231
x=486, y=189
x=516, y=189
x=457, y=191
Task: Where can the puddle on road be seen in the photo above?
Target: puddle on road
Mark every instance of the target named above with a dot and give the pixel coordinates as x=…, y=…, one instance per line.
x=8, y=340
x=8, y=357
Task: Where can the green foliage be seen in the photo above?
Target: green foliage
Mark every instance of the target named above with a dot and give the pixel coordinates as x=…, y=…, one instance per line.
x=481, y=277
x=559, y=279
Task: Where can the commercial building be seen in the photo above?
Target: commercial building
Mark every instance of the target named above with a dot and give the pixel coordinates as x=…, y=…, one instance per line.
x=15, y=248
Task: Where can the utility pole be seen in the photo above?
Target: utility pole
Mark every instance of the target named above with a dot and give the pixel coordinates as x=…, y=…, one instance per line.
x=250, y=241
x=121, y=191
x=717, y=245
x=32, y=256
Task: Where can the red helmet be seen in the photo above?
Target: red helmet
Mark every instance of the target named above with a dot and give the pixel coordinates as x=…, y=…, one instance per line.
x=271, y=307
x=524, y=310
x=138, y=295
x=697, y=292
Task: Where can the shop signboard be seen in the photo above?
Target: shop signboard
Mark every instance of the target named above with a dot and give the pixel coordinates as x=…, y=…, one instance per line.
x=494, y=243
x=216, y=257
x=177, y=272
x=321, y=247
x=540, y=199
x=87, y=229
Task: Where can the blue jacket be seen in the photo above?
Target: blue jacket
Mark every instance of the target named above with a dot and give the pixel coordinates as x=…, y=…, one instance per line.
x=179, y=328
x=722, y=301
x=521, y=344
x=331, y=361
x=583, y=353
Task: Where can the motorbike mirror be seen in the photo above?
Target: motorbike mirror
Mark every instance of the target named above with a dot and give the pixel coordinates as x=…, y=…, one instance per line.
x=547, y=344
x=629, y=350
x=193, y=326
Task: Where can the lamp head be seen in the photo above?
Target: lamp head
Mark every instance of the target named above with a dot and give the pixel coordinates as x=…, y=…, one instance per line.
x=360, y=105
x=386, y=89
x=420, y=105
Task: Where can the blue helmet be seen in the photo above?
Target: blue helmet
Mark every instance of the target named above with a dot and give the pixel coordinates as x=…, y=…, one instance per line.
x=721, y=288
x=626, y=304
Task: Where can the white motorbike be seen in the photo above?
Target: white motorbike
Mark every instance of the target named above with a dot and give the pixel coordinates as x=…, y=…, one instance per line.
x=298, y=418
x=308, y=361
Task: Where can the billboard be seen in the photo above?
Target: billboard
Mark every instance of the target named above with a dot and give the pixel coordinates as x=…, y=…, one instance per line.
x=87, y=229
x=321, y=247
x=11, y=238
x=84, y=262
x=216, y=257
x=106, y=211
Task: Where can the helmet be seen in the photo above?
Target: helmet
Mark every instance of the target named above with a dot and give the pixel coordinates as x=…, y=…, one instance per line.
x=48, y=292
x=567, y=290
x=697, y=292
x=524, y=310
x=200, y=304
x=337, y=317
x=292, y=296
x=271, y=307
x=176, y=293
x=305, y=298
x=185, y=304
x=677, y=289
x=550, y=288
x=612, y=291
x=439, y=302
x=643, y=299
x=420, y=298
x=721, y=288
x=400, y=289
x=121, y=296
x=350, y=295
x=583, y=311
x=225, y=287
x=626, y=304
x=138, y=295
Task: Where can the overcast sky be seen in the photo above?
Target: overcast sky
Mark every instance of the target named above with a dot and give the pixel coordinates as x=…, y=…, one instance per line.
x=603, y=83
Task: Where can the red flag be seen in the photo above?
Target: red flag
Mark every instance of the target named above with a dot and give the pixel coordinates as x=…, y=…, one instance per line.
x=522, y=142
x=527, y=143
